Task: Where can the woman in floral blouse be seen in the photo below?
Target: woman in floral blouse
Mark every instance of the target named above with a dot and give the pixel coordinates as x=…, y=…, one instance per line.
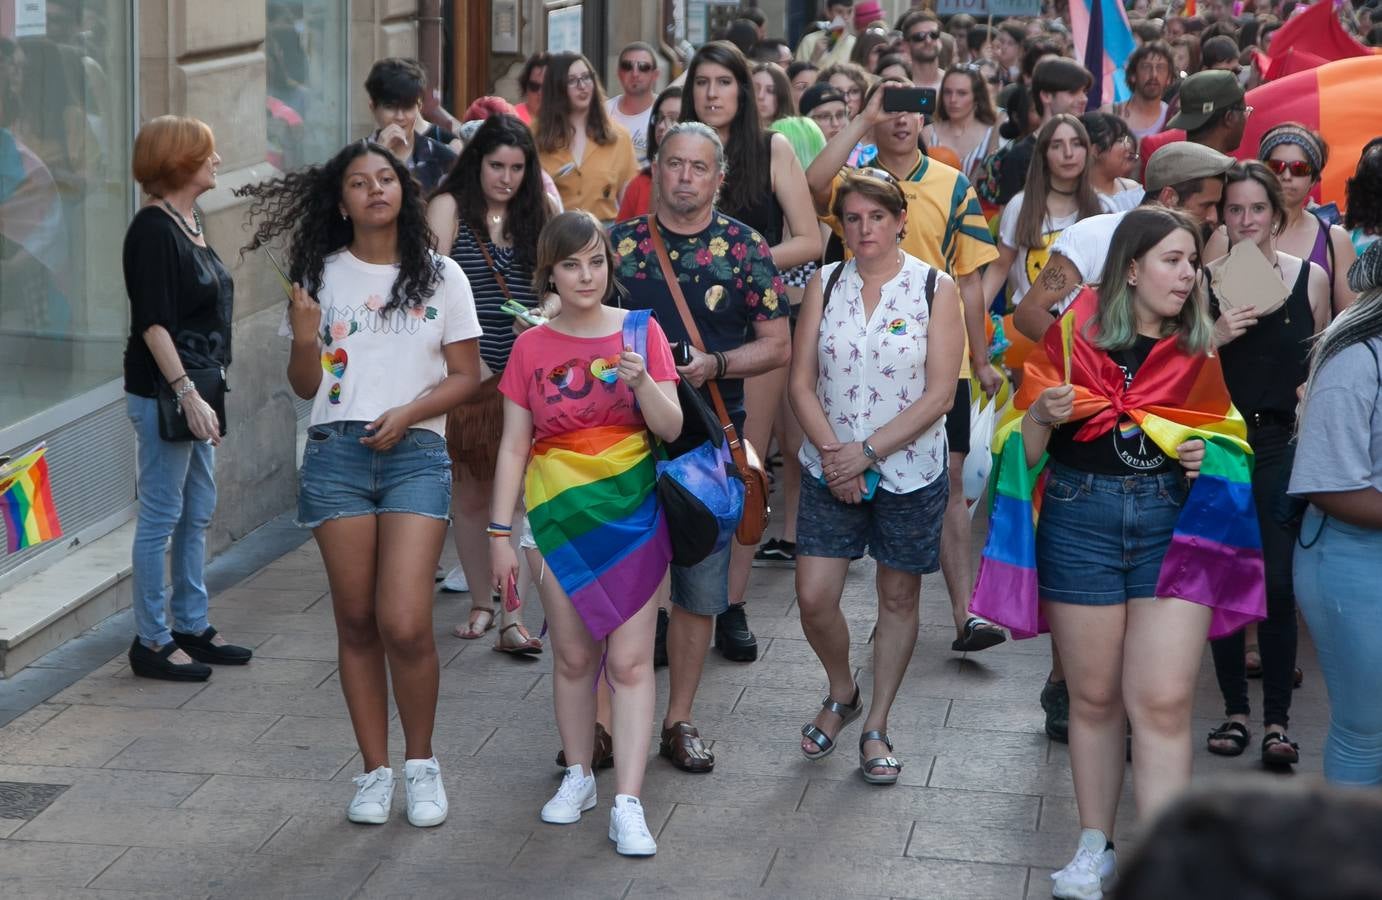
x=874, y=368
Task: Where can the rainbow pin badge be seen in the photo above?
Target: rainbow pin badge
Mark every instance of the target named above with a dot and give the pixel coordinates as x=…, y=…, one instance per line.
x=607, y=370
x=897, y=326
x=334, y=395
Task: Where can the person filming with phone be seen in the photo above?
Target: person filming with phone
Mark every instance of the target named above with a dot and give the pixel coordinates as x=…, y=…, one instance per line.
x=877, y=355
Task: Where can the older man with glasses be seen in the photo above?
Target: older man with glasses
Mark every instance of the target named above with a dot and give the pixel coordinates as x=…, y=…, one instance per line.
x=633, y=109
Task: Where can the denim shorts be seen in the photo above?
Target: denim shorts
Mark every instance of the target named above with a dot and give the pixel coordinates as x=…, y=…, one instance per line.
x=341, y=477
x=1101, y=538
x=703, y=589
x=900, y=531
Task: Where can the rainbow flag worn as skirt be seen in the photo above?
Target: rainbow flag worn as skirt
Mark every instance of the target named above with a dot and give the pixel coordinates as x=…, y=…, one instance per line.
x=26, y=501
x=1215, y=555
x=596, y=520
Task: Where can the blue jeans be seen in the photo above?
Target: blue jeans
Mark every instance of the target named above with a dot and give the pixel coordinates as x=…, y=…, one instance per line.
x=1336, y=589
x=177, y=495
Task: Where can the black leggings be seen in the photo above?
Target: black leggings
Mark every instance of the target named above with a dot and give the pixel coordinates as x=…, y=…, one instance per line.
x=1276, y=635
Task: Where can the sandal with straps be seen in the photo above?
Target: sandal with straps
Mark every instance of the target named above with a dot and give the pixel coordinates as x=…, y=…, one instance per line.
x=1235, y=733
x=470, y=632
x=866, y=766
x=1279, y=751
x=847, y=712
x=527, y=644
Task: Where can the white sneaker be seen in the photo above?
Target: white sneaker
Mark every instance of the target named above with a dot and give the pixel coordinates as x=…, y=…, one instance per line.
x=628, y=829
x=426, y=796
x=454, y=582
x=1090, y=872
x=374, y=797
x=575, y=796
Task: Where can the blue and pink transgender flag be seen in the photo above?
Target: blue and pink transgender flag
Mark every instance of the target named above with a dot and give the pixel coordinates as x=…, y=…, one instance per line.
x=1104, y=41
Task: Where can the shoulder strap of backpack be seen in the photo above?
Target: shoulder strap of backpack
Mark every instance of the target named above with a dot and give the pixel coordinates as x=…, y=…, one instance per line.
x=636, y=331
x=830, y=284
x=930, y=288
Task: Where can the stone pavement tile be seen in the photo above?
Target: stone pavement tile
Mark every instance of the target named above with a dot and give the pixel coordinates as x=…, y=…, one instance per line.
x=987, y=844
x=904, y=802
x=64, y=865
x=394, y=880
x=725, y=789
x=297, y=646
x=768, y=672
x=283, y=797
x=797, y=650
x=77, y=822
x=98, y=644
x=317, y=619
x=305, y=673
x=817, y=871
x=1059, y=816
x=909, y=708
x=279, y=699
x=264, y=599
x=31, y=889
x=1039, y=880
x=1024, y=716
x=92, y=735
x=717, y=828
x=190, y=754
x=225, y=874
x=988, y=774
x=288, y=578
x=575, y=852
x=451, y=738
x=509, y=681
x=466, y=839
x=127, y=690
x=10, y=826
x=32, y=686
x=714, y=884
x=108, y=786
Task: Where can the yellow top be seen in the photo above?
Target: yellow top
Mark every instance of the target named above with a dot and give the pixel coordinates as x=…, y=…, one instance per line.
x=594, y=184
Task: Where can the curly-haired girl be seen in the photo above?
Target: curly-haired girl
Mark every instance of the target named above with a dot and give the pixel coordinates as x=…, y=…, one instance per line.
x=384, y=343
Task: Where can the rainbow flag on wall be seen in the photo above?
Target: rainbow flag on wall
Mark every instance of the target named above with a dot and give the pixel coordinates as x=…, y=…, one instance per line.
x=26, y=501
x=1215, y=556
x=596, y=520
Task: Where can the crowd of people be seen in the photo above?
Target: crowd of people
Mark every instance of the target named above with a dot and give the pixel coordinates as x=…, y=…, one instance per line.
x=839, y=269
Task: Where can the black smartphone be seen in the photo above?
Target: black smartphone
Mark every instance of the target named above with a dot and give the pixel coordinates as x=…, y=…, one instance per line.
x=909, y=99
x=681, y=353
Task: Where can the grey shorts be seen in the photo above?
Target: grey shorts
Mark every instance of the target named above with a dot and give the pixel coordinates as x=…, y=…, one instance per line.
x=703, y=589
x=900, y=531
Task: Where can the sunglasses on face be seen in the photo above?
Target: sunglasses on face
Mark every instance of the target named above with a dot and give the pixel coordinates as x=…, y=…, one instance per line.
x=918, y=37
x=1298, y=168
x=628, y=65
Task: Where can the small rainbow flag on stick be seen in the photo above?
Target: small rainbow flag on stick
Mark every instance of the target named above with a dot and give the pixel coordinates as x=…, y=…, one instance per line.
x=26, y=500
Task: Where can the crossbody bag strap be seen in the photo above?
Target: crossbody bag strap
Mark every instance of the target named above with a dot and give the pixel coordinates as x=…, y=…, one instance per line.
x=694, y=334
x=831, y=282
x=930, y=288
x=489, y=261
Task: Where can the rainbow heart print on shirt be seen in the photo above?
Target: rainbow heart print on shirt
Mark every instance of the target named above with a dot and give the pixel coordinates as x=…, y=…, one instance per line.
x=335, y=363
x=607, y=370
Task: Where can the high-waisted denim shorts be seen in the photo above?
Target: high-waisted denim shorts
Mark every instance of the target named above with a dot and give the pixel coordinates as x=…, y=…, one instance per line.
x=342, y=477
x=1101, y=538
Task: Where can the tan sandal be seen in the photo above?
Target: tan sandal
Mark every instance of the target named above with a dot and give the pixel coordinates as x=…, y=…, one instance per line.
x=469, y=632
x=528, y=645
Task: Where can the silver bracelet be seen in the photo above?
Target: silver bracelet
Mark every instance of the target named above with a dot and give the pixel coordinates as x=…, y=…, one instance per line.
x=183, y=391
x=1031, y=411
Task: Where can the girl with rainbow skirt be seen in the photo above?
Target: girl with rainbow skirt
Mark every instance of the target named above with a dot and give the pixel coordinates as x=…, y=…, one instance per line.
x=1147, y=541
x=579, y=404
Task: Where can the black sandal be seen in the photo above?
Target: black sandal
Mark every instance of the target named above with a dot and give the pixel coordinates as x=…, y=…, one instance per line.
x=847, y=712
x=1278, y=751
x=1235, y=733
x=977, y=635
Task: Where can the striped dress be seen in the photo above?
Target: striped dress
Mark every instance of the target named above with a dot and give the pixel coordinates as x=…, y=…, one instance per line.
x=498, y=337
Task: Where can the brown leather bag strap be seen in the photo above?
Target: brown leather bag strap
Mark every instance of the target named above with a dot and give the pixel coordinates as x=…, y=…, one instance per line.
x=694, y=333
x=489, y=261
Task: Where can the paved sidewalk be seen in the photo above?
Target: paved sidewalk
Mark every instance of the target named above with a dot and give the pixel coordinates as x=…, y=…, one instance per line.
x=237, y=787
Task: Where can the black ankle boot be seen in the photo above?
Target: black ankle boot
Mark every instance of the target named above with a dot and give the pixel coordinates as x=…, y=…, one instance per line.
x=148, y=663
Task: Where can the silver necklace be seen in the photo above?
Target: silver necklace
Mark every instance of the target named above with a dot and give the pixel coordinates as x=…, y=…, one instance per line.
x=196, y=217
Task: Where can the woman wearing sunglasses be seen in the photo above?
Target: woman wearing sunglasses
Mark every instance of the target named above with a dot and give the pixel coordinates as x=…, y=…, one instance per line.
x=1297, y=156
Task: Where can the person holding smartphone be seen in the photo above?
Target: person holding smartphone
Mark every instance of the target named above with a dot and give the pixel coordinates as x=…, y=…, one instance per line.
x=874, y=372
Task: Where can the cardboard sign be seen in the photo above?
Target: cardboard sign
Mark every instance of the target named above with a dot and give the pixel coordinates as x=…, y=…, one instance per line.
x=980, y=9
x=1246, y=278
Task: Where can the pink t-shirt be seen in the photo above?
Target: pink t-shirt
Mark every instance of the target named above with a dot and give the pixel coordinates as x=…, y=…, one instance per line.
x=569, y=383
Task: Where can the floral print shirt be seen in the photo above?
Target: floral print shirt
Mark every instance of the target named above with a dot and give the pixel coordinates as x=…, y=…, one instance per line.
x=872, y=369
x=726, y=273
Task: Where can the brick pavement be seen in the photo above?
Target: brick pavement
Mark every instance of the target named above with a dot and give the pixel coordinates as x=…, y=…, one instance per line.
x=238, y=787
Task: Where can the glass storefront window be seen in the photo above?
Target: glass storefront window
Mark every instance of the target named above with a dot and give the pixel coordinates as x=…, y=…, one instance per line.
x=305, y=46
x=65, y=113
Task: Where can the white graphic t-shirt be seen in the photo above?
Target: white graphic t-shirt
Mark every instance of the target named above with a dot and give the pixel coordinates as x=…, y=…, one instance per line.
x=636, y=126
x=374, y=360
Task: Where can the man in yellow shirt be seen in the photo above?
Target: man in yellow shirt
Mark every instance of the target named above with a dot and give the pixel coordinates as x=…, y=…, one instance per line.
x=945, y=229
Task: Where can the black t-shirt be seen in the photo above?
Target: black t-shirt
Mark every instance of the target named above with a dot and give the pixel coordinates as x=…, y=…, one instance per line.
x=183, y=287
x=1124, y=450
x=1012, y=173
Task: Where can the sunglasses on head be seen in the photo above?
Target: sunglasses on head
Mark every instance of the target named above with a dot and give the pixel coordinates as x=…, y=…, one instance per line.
x=1298, y=168
x=628, y=65
x=917, y=37
x=876, y=174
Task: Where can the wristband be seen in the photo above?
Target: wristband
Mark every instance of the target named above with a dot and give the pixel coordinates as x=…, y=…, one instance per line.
x=1031, y=412
x=720, y=364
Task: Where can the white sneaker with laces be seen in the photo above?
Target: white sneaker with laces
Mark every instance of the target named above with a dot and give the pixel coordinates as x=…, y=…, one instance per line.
x=1090, y=873
x=575, y=796
x=426, y=796
x=628, y=828
x=454, y=582
x=373, y=797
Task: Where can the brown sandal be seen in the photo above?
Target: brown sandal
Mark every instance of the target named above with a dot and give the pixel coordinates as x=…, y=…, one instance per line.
x=602, y=758
x=681, y=743
x=469, y=632
x=528, y=645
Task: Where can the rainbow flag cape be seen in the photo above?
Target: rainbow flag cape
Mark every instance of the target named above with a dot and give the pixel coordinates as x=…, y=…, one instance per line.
x=26, y=501
x=596, y=520
x=1215, y=556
